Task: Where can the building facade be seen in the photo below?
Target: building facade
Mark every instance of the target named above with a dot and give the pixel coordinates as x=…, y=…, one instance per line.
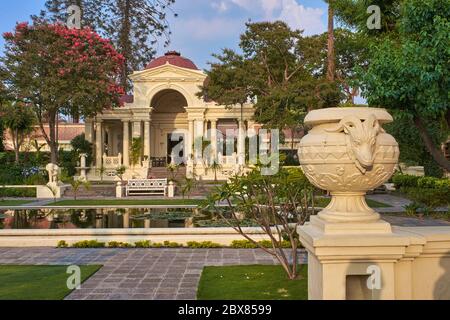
x=163, y=122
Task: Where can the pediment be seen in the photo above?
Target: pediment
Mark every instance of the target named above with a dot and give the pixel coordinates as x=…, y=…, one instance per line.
x=168, y=72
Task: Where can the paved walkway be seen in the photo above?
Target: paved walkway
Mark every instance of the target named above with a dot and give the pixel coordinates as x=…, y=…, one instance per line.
x=138, y=274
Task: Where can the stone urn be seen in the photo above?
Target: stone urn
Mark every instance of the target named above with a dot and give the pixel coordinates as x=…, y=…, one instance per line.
x=348, y=153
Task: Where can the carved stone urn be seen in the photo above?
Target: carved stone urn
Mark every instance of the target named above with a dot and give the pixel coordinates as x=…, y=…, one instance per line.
x=348, y=153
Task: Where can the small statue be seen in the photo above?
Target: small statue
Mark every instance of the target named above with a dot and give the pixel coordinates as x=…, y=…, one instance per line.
x=54, y=172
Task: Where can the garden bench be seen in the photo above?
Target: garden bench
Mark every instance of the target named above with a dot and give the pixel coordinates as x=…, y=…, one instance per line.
x=147, y=187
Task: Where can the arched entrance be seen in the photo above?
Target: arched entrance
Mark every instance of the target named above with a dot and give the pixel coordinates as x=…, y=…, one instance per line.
x=169, y=119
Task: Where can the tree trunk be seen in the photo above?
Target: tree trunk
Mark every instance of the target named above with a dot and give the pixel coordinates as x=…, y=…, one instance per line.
x=15, y=138
x=331, y=72
x=124, y=42
x=435, y=152
x=53, y=144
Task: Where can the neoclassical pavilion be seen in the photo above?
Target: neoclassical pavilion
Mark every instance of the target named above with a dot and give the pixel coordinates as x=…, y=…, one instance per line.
x=163, y=113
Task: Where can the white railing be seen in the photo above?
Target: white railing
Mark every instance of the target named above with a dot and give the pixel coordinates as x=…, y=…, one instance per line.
x=112, y=162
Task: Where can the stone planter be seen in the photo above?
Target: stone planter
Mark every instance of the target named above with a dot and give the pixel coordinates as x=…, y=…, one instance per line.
x=348, y=153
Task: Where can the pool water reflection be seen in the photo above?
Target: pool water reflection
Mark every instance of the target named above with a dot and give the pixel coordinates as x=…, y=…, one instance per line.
x=102, y=218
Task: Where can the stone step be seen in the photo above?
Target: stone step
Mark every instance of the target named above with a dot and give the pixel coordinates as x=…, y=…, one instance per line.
x=95, y=191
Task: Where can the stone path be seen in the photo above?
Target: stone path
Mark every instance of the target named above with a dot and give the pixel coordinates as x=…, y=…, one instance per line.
x=138, y=274
x=394, y=201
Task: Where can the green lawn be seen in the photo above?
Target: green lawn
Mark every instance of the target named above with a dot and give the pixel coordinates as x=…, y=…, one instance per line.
x=38, y=282
x=251, y=283
x=12, y=203
x=323, y=202
x=155, y=202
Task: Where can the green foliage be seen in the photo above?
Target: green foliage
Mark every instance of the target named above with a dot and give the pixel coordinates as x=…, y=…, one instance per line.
x=18, y=192
x=187, y=186
x=251, y=283
x=284, y=199
x=353, y=14
x=81, y=146
x=203, y=245
x=427, y=191
x=136, y=149
x=134, y=26
x=143, y=244
x=405, y=180
x=77, y=185
x=412, y=152
x=62, y=244
x=122, y=245
x=19, y=119
x=46, y=81
x=410, y=73
x=272, y=68
x=246, y=244
x=430, y=198
x=88, y=244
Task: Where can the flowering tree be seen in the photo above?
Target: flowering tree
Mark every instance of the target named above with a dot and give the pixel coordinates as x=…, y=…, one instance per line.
x=57, y=70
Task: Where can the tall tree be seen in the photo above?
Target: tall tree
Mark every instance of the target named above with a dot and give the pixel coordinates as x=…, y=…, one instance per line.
x=272, y=69
x=54, y=69
x=350, y=52
x=134, y=26
x=412, y=74
x=19, y=120
x=331, y=71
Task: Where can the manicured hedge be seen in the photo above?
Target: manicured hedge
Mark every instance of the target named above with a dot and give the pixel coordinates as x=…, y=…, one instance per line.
x=18, y=192
x=429, y=191
x=238, y=244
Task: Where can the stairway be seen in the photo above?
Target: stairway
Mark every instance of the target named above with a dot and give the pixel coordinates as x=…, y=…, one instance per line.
x=98, y=191
x=163, y=173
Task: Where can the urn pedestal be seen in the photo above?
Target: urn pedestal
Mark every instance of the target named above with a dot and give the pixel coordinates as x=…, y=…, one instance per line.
x=348, y=153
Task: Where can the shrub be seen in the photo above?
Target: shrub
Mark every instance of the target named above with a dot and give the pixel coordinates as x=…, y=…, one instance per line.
x=405, y=180
x=142, y=244
x=88, y=244
x=246, y=244
x=115, y=244
x=62, y=244
x=431, y=198
x=203, y=245
x=169, y=244
x=18, y=192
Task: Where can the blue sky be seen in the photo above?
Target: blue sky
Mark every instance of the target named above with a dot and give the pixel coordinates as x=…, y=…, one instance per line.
x=204, y=26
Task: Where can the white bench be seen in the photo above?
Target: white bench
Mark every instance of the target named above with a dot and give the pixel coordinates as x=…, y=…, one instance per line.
x=146, y=187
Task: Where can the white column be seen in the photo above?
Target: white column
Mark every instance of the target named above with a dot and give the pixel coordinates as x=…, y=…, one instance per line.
x=137, y=129
x=241, y=143
x=89, y=131
x=198, y=147
x=126, y=144
x=147, y=139
x=98, y=144
x=214, y=139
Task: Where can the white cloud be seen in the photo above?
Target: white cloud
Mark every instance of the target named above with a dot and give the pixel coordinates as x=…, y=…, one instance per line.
x=300, y=17
x=220, y=6
x=296, y=15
